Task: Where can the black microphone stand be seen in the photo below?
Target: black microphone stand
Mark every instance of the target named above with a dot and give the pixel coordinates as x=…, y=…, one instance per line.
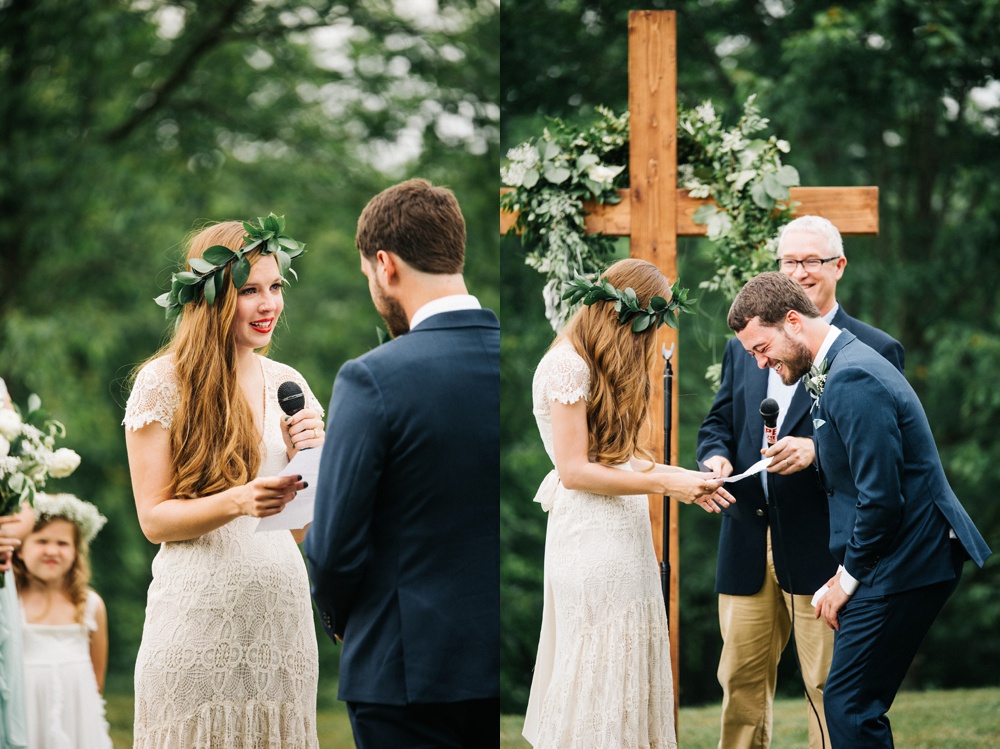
x=668, y=381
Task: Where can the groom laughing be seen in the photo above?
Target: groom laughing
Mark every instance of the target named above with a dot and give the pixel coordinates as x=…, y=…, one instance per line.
x=896, y=527
x=404, y=548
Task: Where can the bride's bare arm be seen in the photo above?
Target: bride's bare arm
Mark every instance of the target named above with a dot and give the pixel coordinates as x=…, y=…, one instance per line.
x=166, y=518
x=577, y=471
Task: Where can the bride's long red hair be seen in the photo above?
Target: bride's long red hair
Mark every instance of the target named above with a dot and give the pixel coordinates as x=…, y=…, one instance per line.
x=214, y=441
x=620, y=364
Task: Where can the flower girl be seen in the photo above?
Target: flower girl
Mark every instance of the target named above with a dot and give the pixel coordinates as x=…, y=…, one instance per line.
x=65, y=627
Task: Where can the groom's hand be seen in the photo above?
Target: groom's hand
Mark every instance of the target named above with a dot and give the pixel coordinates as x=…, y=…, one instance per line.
x=829, y=606
x=790, y=455
x=719, y=466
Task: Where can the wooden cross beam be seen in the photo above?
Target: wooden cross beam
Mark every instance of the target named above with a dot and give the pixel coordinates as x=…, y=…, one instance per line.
x=653, y=212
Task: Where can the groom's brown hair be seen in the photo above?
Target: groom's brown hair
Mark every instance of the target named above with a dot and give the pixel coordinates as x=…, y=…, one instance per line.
x=770, y=297
x=417, y=221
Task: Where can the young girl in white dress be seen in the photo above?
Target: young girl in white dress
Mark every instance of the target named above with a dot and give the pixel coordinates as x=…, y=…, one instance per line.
x=228, y=657
x=65, y=627
x=602, y=677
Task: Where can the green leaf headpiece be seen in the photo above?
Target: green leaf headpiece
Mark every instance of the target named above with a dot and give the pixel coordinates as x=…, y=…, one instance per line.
x=207, y=272
x=656, y=313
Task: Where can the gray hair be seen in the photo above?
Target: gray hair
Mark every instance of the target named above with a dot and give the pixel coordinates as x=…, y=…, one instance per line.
x=814, y=225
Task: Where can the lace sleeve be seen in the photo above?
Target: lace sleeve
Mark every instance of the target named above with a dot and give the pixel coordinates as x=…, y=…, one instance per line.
x=562, y=375
x=154, y=396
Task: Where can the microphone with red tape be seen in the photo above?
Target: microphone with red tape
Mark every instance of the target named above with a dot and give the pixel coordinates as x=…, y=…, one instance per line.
x=769, y=410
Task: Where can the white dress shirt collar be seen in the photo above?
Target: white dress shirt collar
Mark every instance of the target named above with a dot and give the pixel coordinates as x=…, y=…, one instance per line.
x=831, y=336
x=450, y=303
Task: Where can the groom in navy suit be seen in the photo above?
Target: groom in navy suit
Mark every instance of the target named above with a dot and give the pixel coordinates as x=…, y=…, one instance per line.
x=774, y=547
x=404, y=548
x=897, y=529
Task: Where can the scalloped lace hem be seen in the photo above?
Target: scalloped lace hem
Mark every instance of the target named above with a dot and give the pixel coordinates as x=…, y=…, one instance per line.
x=252, y=725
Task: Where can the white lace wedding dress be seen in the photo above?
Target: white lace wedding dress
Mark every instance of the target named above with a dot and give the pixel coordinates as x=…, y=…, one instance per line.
x=602, y=676
x=228, y=658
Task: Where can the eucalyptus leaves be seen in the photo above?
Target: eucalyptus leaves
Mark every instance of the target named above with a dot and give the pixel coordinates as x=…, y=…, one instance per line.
x=658, y=312
x=207, y=273
x=552, y=177
x=743, y=174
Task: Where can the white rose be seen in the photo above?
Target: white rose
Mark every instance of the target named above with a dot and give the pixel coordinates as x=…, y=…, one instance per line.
x=4, y=447
x=10, y=424
x=604, y=175
x=63, y=462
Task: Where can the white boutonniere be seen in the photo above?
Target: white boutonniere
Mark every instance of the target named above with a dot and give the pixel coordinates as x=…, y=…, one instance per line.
x=815, y=381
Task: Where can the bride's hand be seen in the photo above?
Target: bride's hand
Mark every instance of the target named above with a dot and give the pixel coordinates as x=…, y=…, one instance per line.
x=304, y=429
x=688, y=486
x=715, y=502
x=268, y=495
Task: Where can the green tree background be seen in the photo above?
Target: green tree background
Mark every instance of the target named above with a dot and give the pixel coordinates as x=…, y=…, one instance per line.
x=128, y=124
x=901, y=94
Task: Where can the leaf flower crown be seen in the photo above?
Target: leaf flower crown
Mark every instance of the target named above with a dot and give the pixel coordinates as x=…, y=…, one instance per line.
x=207, y=272
x=657, y=312
x=83, y=515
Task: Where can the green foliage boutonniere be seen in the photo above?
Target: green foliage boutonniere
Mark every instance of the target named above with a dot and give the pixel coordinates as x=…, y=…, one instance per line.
x=815, y=381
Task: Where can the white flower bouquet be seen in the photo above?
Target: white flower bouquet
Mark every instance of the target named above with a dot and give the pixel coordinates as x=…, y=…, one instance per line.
x=28, y=455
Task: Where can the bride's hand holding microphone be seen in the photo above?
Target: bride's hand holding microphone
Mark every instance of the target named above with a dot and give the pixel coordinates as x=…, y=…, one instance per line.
x=301, y=427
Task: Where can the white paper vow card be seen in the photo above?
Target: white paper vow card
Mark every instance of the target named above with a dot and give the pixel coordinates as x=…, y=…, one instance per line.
x=299, y=512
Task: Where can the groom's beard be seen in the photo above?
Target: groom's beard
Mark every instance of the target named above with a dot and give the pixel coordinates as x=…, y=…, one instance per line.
x=392, y=312
x=797, y=363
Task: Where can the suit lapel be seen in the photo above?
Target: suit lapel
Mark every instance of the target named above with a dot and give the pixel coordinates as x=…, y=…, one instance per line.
x=841, y=340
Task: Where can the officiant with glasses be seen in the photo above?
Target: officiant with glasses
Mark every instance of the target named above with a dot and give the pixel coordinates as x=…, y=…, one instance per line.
x=773, y=542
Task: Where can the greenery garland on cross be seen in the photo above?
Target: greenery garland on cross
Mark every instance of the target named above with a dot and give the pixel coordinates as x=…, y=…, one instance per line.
x=741, y=172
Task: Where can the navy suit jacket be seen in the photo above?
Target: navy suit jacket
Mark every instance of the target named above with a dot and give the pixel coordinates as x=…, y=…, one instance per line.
x=798, y=515
x=891, y=506
x=404, y=547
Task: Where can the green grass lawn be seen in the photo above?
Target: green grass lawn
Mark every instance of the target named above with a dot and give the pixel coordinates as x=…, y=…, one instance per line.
x=957, y=719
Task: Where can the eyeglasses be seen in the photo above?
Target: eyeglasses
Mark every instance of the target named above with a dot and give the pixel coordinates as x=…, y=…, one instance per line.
x=810, y=263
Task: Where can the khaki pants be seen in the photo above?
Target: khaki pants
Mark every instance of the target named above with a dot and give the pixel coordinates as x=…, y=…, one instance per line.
x=755, y=630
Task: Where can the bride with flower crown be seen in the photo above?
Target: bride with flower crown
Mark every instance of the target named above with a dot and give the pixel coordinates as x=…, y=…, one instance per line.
x=602, y=676
x=228, y=656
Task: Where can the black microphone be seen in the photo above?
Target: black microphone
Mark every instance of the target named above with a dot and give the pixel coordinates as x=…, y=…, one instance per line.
x=769, y=410
x=292, y=400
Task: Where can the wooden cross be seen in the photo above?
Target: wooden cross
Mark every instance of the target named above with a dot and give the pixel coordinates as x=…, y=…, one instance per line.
x=653, y=212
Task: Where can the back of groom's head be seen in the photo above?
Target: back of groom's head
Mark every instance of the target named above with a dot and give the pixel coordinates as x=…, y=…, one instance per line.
x=417, y=221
